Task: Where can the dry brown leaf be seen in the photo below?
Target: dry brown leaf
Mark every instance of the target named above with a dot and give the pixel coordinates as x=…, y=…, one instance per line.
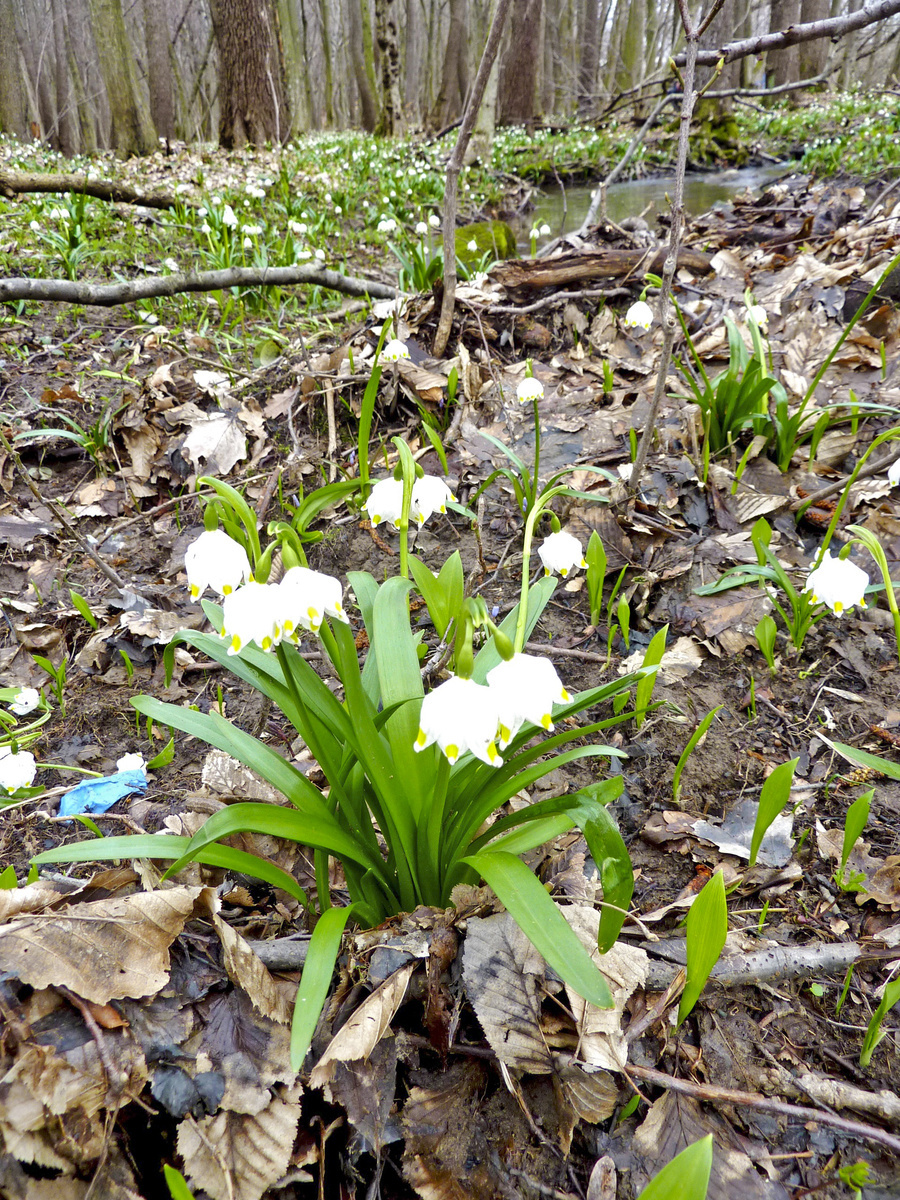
x=31, y=899
x=103, y=949
x=361, y=1034
x=219, y=441
x=592, y=1095
x=235, y=1156
x=501, y=971
x=247, y=971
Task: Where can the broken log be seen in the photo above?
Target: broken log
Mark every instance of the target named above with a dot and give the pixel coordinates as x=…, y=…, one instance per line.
x=530, y=274
x=16, y=183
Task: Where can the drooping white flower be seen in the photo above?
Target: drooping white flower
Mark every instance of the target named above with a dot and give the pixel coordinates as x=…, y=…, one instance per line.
x=385, y=502
x=216, y=561
x=894, y=473
x=305, y=598
x=625, y=470
x=16, y=770
x=756, y=312
x=25, y=701
x=545, y=230
x=529, y=389
x=252, y=614
x=639, y=316
x=434, y=221
x=394, y=350
x=561, y=553
x=526, y=688
x=421, y=228
x=472, y=245
x=460, y=715
x=228, y=217
x=837, y=583
x=429, y=495
x=131, y=762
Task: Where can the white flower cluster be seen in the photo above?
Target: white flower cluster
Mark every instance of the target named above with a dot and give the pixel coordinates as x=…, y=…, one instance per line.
x=385, y=503
x=264, y=613
x=462, y=715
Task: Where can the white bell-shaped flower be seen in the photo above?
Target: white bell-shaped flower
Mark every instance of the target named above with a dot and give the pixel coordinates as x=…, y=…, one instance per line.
x=756, y=312
x=252, y=614
x=460, y=715
x=526, y=688
x=394, y=351
x=429, y=495
x=16, y=770
x=837, y=583
x=385, y=502
x=216, y=561
x=561, y=553
x=131, y=762
x=25, y=701
x=529, y=389
x=639, y=316
x=894, y=473
x=306, y=597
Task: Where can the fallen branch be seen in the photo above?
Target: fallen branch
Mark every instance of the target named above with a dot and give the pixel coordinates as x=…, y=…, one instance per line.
x=107, y=295
x=774, y=965
x=531, y=274
x=16, y=183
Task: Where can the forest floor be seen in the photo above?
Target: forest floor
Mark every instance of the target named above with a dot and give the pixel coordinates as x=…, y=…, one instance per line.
x=186, y=1061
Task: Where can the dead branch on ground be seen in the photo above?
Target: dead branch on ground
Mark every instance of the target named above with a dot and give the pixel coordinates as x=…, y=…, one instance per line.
x=16, y=183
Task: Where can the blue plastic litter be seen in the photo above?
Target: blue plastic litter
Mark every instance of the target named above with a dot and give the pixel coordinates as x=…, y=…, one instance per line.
x=97, y=795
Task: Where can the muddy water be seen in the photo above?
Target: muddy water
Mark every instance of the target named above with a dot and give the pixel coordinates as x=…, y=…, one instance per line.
x=564, y=209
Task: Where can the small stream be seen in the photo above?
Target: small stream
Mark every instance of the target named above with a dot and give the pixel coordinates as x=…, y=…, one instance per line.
x=564, y=209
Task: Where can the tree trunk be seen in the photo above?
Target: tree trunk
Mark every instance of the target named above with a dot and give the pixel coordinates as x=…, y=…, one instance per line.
x=482, y=140
x=785, y=64
x=329, y=71
x=629, y=56
x=88, y=127
x=390, y=121
x=295, y=66
x=519, y=70
x=590, y=57
x=412, y=66
x=368, y=111
x=454, y=83
x=13, y=113
x=252, y=107
x=159, y=67
x=132, y=129
x=813, y=55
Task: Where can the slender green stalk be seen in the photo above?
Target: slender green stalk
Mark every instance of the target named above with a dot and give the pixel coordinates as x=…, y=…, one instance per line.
x=845, y=494
x=535, y=490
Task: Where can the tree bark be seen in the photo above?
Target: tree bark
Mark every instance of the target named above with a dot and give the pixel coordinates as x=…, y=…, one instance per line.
x=252, y=106
x=813, y=55
x=452, y=91
x=64, y=135
x=590, y=57
x=390, y=121
x=295, y=66
x=519, y=70
x=629, y=59
x=13, y=113
x=132, y=129
x=785, y=63
x=368, y=110
x=159, y=67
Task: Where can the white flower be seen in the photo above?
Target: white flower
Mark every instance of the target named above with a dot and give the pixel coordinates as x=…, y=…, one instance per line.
x=25, y=701
x=472, y=245
x=16, y=770
x=320, y=255
x=297, y=227
x=248, y=243
x=385, y=502
x=460, y=715
x=201, y=211
x=131, y=762
x=434, y=221
x=894, y=473
x=529, y=389
x=216, y=561
x=639, y=316
x=387, y=225
x=171, y=264
x=535, y=232
x=429, y=495
x=837, y=583
x=35, y=227
x=421, y=228
x=625, y=470
x=394, y=351
x=561, y=552
x=252, y=614
x=545, y=230
x=206, y=227
x=756, y=312
x=305, y=598
x=228, y=217
x=526, y=688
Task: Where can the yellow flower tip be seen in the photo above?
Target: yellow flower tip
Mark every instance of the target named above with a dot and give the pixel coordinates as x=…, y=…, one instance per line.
x=564, y=696
x=563, y=571
x=396, y=522
x=505, y=734
x=195, y=591
x=493, y=753
x=838, y=608
x=546, y=571
x=288, y=627
x=421, y=739
x=227, y=589
x=235, y=647
x=546, y=722
x=862, y=604
x=451, y=750
x=375, y=520
x=267, y=643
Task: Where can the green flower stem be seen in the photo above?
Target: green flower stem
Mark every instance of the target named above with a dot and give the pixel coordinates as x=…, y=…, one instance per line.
x=535, y=482
x=839, y=507
x=430, y=845
x=531, y=520
x=866, y=538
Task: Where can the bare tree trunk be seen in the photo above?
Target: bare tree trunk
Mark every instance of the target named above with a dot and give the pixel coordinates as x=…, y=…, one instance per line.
x=590, y=57
x=412, y=66
x=13, y=115
x=519, y=70
x=87, y=112
x=367, y=108
x=295, y=67
x=329, y=72
x=452, y=92
x=252, y=105
x=785, y=63
x=629, y=43
x=390, y=121
x=813, y=55
x=159, y=67
x=132, y=128
x=64, y=134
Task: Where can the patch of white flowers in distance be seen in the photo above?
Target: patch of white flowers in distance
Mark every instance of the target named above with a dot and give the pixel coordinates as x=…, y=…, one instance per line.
x=838, y=584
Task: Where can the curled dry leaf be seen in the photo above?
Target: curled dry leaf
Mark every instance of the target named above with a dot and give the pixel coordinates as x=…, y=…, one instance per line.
x=247, y=972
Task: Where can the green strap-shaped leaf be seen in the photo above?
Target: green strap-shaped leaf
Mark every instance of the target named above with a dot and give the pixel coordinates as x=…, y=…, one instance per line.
x=318, y=972
x=686, y=1177
x=519, y=889
x=707, y=929
x=610, y=853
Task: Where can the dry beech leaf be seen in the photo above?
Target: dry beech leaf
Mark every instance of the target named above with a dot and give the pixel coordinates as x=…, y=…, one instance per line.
x=361, y=1034
x=35, y=897
x=624, y=967
x=501, y=970
x=366, y=1090
x=247, y=971
x=593, y=1095
x=218, y=441
x=103, y=949
x=254, y=1150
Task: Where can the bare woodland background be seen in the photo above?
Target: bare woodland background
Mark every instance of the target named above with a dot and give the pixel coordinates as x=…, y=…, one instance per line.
x=87, y=75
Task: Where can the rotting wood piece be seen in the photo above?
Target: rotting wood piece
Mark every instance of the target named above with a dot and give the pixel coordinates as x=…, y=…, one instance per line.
x=532, y=274
x=14, y=183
